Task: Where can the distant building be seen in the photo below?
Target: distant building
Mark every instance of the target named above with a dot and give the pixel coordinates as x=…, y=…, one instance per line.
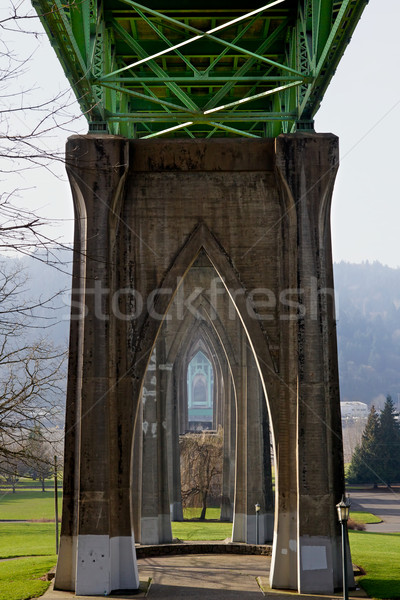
x=354, y=410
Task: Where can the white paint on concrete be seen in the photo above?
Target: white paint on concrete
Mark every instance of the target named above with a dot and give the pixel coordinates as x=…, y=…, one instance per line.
x=105, y=564
x=155, y=530
x=145, y=427
x=149, y=530
x=313, y=558
x=293, y=545
x=244, y=528
x=283, y=571
x=124, y=571
x=315, y=565
x=154, y=430
x=93, y=566
x=239, y=527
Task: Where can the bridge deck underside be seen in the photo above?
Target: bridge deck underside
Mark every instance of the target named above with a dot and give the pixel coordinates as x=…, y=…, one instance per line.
x=200, y=69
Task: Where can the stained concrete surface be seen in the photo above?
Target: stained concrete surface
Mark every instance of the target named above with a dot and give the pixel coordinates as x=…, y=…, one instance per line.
x=384, y=503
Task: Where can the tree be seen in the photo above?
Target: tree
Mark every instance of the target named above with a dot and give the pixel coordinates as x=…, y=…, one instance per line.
x=364, y=463
x=31, y=120
x=39, y=456
x=377, y=459
x=31, y=372
x=201, y=467
x=388, y=443
x=11, y=469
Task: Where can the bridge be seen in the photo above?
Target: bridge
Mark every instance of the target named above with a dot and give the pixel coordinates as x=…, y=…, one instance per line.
x=208, y=70
x=202, y=205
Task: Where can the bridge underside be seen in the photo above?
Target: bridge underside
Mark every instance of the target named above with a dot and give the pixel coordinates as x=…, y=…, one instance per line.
x=199, y=69
x=257, y=211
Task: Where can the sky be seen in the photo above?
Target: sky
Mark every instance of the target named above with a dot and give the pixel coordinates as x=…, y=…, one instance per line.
x=361, y=106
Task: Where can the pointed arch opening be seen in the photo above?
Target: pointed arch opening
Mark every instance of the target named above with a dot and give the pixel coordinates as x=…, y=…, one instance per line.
x=202, y=321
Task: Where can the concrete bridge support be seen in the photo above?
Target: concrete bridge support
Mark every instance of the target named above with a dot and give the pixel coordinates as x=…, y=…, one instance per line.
x=260, y=212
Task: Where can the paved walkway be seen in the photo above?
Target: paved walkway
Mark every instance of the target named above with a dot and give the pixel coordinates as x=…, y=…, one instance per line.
x=205, y=577
x=385, y=504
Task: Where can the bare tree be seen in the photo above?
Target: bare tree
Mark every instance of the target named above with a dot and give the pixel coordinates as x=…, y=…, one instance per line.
x=39, y=456
x=31, y=120
x=31, y=371
x=201, y=467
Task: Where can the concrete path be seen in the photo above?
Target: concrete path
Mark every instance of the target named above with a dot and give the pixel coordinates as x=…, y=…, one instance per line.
x=384, y=504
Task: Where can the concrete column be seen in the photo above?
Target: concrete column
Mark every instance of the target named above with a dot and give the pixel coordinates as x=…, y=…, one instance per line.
x=102, y=553
x=155, y=520
x=228, y=471
x=174, y=466
x=137, y=475
x=307, y=164
x=239, y=529
x=253, y=475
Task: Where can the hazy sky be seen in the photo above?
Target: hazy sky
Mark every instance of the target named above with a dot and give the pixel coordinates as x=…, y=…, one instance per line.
x=361, y=106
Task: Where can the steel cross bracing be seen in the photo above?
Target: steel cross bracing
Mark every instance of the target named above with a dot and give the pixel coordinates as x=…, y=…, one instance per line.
x=199, y=68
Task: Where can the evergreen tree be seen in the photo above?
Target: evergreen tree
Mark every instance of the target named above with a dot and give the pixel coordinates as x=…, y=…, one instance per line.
x=364, y=466
x=388, y=443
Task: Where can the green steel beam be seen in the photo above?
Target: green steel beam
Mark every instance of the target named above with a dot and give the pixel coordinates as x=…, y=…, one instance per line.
x=142, y=72
x=199, y=34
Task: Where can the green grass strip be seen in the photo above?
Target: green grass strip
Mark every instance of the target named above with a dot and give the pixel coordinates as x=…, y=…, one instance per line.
x=26, y=539
x=20, y=578
x=364, y=517
x=379, y=555
x=201, y=530
x=28, y=505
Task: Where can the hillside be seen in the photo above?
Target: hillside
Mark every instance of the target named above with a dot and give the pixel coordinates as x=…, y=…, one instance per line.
x=368, y=311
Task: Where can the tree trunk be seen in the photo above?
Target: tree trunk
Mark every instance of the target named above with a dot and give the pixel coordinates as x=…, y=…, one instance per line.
x=204, y=508
x=42, y=482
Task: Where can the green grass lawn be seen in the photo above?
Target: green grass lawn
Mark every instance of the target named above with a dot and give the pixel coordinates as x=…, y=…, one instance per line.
x=27, y=539
x=364, y=517
x=194, y=513
x=20, y=579
x=26, y=483
x=28, y=505
x=201, y=530
x=379, y=555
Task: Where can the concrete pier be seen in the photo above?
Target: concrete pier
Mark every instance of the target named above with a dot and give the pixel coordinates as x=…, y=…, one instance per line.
x=255, y=215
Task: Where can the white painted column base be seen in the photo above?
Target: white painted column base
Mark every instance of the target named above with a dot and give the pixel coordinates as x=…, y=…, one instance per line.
x=105, y=564
x=283, y=571
x=315, y=568
x=244, y=528
x=155, y=530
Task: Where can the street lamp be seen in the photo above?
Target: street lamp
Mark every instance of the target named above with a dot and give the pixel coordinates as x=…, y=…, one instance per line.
x=343, y=510
x=257, y=507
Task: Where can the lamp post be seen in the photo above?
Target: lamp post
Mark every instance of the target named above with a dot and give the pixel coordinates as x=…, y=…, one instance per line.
x=56, y=500
x=343, y=510
x=257, y=507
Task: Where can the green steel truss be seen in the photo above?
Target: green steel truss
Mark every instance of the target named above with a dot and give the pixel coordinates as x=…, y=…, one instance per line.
x=199, y=68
